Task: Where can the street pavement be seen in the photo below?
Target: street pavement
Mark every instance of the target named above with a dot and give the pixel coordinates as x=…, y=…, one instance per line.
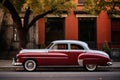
x=7, y=65
x=59, y=75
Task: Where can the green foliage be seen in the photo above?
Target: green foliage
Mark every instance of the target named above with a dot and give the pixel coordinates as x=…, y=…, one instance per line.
x=106, y=48
x=91, y=7
x=96, y=6
x=42, y=6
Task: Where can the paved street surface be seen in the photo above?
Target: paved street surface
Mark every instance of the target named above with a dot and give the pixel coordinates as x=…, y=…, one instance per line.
x=59, y=75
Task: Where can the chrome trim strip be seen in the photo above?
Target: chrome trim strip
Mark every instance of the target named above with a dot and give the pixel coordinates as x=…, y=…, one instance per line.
x=17, y=64
x=60, y=66
x=48, y=57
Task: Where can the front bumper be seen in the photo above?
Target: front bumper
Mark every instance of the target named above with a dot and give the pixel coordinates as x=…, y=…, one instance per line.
x=109, y=63
x=16, y=63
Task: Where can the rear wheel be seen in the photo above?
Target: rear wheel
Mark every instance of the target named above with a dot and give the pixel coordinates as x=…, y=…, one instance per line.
x=30, y=65
x=91, y=67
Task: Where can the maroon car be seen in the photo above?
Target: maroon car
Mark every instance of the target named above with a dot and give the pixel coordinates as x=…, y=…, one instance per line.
x=62, y=53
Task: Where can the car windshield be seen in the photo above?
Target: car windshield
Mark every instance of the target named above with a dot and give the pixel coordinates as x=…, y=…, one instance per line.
x=49, y=45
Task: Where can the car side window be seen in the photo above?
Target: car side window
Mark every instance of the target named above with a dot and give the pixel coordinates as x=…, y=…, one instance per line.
x=76, y=47
x=60, y=47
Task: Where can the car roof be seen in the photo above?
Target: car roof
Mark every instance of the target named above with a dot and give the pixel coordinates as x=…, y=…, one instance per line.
x=83, y=44
x=70, y=41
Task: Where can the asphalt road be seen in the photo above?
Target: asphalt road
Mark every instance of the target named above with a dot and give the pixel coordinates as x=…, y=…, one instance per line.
x=59, y=75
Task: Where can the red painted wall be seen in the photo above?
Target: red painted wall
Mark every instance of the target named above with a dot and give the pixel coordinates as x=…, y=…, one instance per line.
x=103, y=29
x=41, y=31
x=71, y=27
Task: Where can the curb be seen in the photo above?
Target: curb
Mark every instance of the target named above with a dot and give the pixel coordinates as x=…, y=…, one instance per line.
x=9, y=68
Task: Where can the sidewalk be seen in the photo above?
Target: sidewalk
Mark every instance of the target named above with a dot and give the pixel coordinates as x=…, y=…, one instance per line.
x=7, y=65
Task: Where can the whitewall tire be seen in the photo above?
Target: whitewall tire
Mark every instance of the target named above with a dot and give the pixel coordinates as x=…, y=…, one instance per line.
x=30, y=65
x=91, y=67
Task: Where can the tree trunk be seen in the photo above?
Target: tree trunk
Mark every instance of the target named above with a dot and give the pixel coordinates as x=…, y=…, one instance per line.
x=24, y=38
x=23, y=30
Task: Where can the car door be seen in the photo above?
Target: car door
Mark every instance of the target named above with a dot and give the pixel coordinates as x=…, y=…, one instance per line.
x=58, y=54
x=74, y=52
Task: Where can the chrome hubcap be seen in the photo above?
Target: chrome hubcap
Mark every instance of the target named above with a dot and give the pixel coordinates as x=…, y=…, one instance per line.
x=30, y=65
x=91, y=67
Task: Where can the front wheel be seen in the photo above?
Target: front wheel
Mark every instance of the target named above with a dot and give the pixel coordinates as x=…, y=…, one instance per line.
x=30, y=65
x=91, y=67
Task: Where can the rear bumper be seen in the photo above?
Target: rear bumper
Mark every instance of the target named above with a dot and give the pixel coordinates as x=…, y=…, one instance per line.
x=14, y=63
x=109, y=63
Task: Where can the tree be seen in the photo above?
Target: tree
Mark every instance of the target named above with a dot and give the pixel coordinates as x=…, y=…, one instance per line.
x=39, y=8
x=96, y=6
x=106, y=48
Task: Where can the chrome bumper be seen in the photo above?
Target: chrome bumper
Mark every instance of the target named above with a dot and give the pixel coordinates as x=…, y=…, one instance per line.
x=109, y=63
x=14, y=63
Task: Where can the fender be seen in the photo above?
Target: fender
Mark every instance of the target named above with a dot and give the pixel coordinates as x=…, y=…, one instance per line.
x=90, y=58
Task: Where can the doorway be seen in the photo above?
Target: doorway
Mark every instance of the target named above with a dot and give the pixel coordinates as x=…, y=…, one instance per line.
x=87, y=31
x=54, y=29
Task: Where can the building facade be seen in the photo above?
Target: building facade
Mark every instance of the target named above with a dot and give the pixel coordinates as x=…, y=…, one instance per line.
x=78, y=25
x=95, y=30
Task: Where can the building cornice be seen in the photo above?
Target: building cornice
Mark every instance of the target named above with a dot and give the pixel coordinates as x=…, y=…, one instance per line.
x=84, y=14
x=52, y=15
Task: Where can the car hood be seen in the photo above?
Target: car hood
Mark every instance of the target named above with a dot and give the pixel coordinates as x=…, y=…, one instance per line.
x=33, y=50
x=99, y=52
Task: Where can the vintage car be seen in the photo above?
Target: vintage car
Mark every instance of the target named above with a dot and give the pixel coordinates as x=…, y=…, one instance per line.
x=62, y=53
